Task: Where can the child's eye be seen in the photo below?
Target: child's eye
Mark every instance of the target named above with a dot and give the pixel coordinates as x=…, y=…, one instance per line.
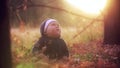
x=53, y=24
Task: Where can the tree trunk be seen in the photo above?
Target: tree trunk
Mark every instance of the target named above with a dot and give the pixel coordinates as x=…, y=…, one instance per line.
x=5, y=52
x=112, y=23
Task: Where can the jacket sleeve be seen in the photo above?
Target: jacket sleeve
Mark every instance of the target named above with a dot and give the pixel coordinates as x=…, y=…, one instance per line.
x=66, y=52
x=37, y=47
x=65, y=49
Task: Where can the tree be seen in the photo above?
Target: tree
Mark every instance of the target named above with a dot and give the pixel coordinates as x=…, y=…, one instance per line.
x=5, y=52
x=112, y=23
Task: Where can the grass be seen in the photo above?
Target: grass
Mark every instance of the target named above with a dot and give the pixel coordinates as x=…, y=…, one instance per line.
x=85, y=47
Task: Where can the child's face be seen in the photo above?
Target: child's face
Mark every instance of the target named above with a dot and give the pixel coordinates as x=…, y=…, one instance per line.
x=53, y=30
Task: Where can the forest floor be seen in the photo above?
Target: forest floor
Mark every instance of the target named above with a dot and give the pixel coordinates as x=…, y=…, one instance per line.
x=92, y=54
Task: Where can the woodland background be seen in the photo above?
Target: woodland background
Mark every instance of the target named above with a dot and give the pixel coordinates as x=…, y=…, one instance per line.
x=83, y=33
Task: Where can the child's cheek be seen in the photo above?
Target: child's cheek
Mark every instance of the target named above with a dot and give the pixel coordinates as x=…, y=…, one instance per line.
x=53, y=32
x=58, y=31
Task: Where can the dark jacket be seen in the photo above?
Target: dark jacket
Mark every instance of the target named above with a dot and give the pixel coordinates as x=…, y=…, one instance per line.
x=55, y=48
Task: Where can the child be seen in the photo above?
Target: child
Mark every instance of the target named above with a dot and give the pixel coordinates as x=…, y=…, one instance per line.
x=54, y=46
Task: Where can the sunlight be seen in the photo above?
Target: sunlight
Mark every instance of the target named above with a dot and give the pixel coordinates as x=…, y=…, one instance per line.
x=89, y=6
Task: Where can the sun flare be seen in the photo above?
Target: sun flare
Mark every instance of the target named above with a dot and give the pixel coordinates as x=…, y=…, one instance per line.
x=89, y=6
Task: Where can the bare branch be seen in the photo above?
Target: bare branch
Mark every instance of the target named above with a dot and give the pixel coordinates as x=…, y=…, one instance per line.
x=86, y=27
x=61, y=9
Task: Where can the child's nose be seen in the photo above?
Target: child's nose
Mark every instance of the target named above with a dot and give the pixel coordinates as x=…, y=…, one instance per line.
x=57, y=26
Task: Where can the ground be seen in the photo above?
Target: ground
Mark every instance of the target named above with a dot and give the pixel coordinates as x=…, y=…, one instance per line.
x=92, y=54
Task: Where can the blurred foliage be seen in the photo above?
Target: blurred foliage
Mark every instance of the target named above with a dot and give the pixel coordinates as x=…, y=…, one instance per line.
x=83, y=54
x=83, y=48
x=25, y=65
x=34, y=14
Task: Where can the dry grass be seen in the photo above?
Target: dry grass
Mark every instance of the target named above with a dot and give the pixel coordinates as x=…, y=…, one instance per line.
x=86, y=49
